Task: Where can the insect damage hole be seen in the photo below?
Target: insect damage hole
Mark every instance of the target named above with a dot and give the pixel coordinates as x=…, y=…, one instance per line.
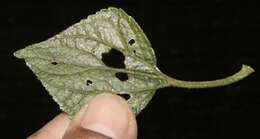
x=114, y=59
x=54, y=63
x=88, y=82
x=125, y=96
x=131, y=42
x=122, y=76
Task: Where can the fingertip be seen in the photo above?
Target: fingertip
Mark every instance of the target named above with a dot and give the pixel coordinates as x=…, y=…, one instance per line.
x=110, y=115
x=107, y=114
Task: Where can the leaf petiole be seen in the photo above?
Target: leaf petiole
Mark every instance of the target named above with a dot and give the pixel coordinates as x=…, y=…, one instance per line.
x=242, y=73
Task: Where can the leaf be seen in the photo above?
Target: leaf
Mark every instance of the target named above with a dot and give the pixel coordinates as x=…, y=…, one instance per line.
x=71, y=64
x=77, y=53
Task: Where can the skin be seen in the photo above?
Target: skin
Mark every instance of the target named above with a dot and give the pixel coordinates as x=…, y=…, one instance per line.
x=107, y=116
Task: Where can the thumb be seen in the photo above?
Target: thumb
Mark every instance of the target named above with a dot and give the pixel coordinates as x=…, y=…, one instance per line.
x=106, y=116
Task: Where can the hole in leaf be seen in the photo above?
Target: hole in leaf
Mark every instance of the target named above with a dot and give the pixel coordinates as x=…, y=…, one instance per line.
x=134, y=51
x=89, y=82
x=131, y=42
x=125, y=96
x=122, y=76
x=114, y=59
x=54, y=63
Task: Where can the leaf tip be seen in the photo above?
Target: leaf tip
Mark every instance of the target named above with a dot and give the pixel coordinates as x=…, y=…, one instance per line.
x=111, y=7
x=23, y=53
x=18, y=54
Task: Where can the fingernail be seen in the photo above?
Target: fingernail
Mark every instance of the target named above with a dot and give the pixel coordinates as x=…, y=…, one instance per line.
x=107, y=114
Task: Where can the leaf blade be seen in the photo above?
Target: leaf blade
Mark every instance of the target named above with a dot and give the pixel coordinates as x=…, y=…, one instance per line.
x=65, y=62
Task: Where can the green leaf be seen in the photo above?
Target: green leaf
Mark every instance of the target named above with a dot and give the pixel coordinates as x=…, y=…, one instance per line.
x=77, y=53
x=70, y=65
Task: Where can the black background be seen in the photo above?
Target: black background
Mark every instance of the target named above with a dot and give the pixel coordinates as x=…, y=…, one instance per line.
x=193, y=40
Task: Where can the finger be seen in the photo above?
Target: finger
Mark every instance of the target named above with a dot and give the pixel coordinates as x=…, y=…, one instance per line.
x=106, y=114
x=81, y=133
x=55, y=129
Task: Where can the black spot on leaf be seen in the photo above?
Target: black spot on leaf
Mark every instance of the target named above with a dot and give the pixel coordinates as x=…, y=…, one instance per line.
x=114, y=59
x=125, y=96
x=131, y=42
x=89, y=82
x=54, y=63
x=122, y=76
x=134, y=51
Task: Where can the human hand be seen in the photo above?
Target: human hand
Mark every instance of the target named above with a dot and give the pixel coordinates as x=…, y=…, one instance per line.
x=107, y=116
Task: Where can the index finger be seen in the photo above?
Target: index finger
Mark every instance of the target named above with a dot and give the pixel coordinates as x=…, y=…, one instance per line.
x=55, y=129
